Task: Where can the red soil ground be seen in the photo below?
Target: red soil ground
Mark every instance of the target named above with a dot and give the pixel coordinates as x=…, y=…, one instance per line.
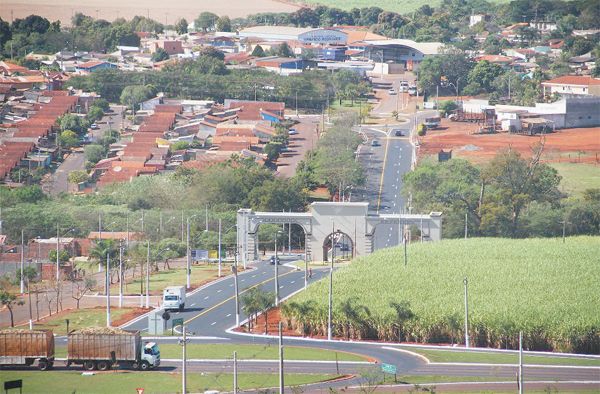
x=568, y=145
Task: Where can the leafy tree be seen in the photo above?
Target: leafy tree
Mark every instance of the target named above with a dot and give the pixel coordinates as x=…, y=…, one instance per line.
x=447, y=107
x=94, y=114
x=63, y=255
x=160, y=55
x=213, y=53
x=75, y=123
x=31, y=24
x=77, y=177
x=205, y=21
x=181, y=27
x=482, y=77
x=444, y=71
x=133, y=95
x=102, y=104
x=258, y=51
x=68, y=139
x=304, y=17
x=224, y=24
x=5, y=32
x=284, y=50
x=94, y=153
x=29, y=194
x=9, y=301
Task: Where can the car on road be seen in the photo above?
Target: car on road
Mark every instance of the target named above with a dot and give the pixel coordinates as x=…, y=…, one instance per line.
x=293, y=132
x=397, y=132
x=392, y=92
x=412, y=91
x=375, y=143
x=272, y=260
x=94, y=126
x=432, y=123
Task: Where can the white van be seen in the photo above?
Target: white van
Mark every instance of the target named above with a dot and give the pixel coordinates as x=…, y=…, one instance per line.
x=174, y=297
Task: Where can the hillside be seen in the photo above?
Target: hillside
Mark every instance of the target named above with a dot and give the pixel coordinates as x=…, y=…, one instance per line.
x=544, y=287
x=401, y=7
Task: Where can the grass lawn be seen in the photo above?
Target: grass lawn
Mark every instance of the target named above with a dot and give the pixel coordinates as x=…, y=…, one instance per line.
x=448, y=356
x=80, y=318
x=576, y=177
x=257, y=352
x=177, y=277
x=154, y=382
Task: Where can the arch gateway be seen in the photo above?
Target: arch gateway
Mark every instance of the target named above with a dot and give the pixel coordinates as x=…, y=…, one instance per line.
x=324, y=220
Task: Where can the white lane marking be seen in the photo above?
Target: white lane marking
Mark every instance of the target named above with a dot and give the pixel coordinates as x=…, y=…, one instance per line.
x=292, y=282
x=193, y=304
x=243, y=280
x=206, y=298
x=254, y=276
x=229, y=314
x=220, y=290
x=281, y=287
x=231, y=285
x=213, y=323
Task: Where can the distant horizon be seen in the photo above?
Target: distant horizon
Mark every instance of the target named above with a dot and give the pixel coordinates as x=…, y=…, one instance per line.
x=63, y=10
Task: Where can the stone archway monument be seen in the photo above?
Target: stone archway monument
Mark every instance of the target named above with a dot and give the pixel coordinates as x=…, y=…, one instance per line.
x=325, y=218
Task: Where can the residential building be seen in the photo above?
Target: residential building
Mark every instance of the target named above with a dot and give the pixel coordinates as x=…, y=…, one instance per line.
x=94, y=65
x=572, y=84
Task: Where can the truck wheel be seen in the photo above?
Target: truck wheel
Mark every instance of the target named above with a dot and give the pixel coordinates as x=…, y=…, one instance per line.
x=144, y=365
x=135, y=365
x=89, y=365
x=103, y=365
x=181, y=307
x=50, y=364
x=43, y=365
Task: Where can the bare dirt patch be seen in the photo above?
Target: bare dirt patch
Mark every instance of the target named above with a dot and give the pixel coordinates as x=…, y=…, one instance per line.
x=164, y=12
x=580, y=145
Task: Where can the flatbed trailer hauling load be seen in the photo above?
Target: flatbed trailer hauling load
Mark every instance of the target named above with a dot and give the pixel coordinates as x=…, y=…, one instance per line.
x=93, y=348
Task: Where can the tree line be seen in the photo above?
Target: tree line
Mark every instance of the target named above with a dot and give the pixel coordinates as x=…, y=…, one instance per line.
x=511, y=196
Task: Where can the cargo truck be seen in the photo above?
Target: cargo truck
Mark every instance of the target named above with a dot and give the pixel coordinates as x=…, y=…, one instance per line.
x=103, y=348
x=174, y=297
x=25, y=347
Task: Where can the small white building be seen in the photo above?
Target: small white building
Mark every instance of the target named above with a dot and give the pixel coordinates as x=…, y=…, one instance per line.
x=572, y=84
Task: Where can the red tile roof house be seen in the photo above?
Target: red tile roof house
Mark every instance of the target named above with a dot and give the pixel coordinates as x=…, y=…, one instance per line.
x=251, y=110
x=572, y=84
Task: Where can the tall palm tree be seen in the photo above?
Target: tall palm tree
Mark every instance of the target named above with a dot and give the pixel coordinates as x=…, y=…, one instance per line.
x=250, y=305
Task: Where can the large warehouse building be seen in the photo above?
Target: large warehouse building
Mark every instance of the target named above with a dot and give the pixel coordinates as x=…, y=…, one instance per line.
x=303, y=35
x=395, y=56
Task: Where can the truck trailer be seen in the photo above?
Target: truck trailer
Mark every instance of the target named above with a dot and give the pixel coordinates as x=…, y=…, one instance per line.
x=104, y=348
x=25, y=347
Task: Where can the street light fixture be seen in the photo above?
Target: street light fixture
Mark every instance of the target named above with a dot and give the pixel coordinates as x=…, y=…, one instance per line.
x=276, y=271
x=57, y=249
x=189, y=252
x=466, y=283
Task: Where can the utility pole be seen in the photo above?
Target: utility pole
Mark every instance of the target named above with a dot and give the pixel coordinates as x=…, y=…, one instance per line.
x=206, y=217
x=521, y=381
x=219, y=251
x=142, y=221
x=290, y=237
x=182, y=226
x=22, y=282
x=305, y=263
x=466, y=282
x=184, y=362
x=120, y=273
x=188, y=256
x=330, y=304
x=148, y=274
x=564, y=230
x=404, y=241
x=236, y=288
x=160, y=223
x=235, y=377
x=57, y=254
x=108, y=323
x=281, y=382
x=276, y=273
x=466, y=224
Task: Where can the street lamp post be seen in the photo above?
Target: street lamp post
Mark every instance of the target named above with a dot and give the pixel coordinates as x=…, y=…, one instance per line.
x=189, y=254
x=466, y=282
x=330, y=304
x=276, y=271
x=219, y=251
x=236, y=288
x=108, y=321
x=148, y=274
x=120, y=273
x=22, y=281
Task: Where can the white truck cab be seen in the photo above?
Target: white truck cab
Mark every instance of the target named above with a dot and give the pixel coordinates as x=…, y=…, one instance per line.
x=150, y=356
x=174, y=297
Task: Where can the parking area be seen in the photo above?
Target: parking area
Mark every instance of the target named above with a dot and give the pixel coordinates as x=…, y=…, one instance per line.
x=300, y=143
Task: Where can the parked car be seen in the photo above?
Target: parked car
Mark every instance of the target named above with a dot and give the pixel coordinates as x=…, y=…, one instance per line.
x=432, y=123
x=293, y=132
x=94, y=126
x=403, y=88
x=412, y=91
x=374, y=143
x=392, y=92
